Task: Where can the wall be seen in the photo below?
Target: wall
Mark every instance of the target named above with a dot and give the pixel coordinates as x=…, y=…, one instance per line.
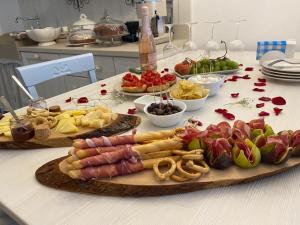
x=58, y=12
x=9, y=10
x=267, y=20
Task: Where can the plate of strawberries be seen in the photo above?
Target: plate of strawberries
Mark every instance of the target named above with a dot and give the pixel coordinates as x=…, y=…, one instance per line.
x=148, y=83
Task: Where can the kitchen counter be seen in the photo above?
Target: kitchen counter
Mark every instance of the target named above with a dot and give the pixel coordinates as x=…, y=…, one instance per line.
x=125, y=50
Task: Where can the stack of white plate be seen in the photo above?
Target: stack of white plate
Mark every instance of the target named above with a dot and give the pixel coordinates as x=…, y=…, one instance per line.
x=281, y=70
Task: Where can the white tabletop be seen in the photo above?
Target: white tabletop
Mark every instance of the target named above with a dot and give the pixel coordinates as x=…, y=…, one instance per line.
x=272, y=200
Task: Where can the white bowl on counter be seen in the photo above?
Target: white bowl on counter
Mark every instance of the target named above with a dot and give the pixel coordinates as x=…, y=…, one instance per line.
x=45, y=36
x=213, y=82
x=166, y=120
x=144, y=100
x=193, y=104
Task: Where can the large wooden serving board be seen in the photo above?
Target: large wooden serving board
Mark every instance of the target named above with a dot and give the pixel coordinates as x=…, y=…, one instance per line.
x=145, y=184
x=122, y=124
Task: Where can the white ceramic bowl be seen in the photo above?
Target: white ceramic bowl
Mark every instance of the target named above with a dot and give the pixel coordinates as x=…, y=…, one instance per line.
x=193, y=104
x=167, y=120
x=144, y=100
x=213, y=82
x=45, y=36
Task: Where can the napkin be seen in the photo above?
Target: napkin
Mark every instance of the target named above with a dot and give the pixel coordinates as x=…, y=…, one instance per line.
x=265, y=46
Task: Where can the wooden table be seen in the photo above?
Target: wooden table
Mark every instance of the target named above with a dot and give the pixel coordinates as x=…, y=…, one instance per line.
x=273, y=200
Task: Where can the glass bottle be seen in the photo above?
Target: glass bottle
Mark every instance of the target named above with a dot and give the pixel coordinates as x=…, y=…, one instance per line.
x=147, y=49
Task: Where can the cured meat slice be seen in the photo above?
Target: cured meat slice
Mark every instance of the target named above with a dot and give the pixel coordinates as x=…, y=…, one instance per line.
x=107, y=171
x=104, y=141
x=106, y=158
x=240, y=130
x=87, y=152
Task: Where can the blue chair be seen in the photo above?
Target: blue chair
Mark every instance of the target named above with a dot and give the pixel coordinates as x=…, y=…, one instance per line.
x=40, y=72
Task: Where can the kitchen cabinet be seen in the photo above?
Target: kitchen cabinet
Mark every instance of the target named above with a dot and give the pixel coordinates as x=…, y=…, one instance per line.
x=106, y=66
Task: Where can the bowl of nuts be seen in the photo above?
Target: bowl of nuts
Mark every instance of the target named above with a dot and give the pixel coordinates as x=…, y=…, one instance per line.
x=165, y=113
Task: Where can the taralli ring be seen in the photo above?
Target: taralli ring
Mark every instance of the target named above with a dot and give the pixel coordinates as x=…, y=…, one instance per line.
x=52, y=121
x=192, y=157
x=179, y=178
x=186, y=173
x=164, y=176
x=203, y=167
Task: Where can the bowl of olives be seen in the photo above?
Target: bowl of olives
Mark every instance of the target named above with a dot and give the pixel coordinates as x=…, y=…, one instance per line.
x=165, y=113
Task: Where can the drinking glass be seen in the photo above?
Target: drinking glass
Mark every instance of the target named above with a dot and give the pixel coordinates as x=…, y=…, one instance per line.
x=190, y=46
x=170, y=49
x=236, y=46
x=212, y=46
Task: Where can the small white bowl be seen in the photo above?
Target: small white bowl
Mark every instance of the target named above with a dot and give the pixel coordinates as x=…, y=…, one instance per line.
x=193, y=104
x=213, y=82
x=166, y=120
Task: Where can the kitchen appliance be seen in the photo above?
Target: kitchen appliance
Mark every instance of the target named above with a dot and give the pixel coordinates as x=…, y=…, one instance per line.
x=133, y=29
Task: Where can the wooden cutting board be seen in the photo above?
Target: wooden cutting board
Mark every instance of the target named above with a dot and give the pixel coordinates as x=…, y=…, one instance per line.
x=145, y=184
x=122, y=124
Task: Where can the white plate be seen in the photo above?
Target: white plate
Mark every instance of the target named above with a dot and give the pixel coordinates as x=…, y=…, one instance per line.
x=281, y=74
x=224, y=72
x=281, y=78
x=282, y=67
x=118, y=88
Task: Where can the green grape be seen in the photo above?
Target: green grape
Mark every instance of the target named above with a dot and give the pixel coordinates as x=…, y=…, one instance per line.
x=194, y=144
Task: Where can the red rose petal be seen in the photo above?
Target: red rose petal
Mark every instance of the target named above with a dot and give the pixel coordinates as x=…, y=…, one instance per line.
x=236, y=77
x=278, y=101
x=221, y=111
x=241, y=64
x=232, y=79
x=261, y=84
x=195, y=122
x=68, y=100
x=258, y=89
x=265, y=99
x=103, y=85
x=229, y=116
x=249, y=69
x=82, y=100
x=131, y=111
x=162, y=71
x=235, y=95
x=246, y=77
x=103, y=92
x=277, y=111
x=225, y=81
x=165, y=97
x=262, y=80
x=263, y=113
x=166, y=69
x=260, y=105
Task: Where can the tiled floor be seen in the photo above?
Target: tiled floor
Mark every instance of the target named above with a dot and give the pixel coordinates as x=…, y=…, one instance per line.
x=5, y=220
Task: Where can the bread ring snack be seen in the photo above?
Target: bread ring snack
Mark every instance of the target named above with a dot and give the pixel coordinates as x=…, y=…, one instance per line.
x=202, y=168
x=164, y=176
x=185, y=173
x=39, y=120
x=192, y=157
x=179, y=178
x=52, y=121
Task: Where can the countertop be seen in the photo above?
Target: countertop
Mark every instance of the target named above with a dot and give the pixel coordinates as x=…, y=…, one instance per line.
x=124, y=50
x=270, y=201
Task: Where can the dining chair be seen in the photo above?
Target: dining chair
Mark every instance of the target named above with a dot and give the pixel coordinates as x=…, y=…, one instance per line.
x=40, y=72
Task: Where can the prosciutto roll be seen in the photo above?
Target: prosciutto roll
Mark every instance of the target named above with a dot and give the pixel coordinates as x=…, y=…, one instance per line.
x=106, y=158
x=124, y=167
x=83, y=153
x=104, y=141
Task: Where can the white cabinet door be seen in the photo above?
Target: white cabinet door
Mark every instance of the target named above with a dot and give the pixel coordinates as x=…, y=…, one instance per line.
x=48, y=88
x=104, y=67
x=122, y=64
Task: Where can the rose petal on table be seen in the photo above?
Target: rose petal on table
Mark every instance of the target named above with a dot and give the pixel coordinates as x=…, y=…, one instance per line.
x=82, y=100
x=262, y=80
x=277, y=111
x=278, y=100
x=263, y=113
x=249, y=69
x=102, y=85
x=68, y=100
x=131, y=111
x=260, y=105
x=258, y=89
x=229, y=116
x=235, y=95
x=103, y=92
x=221, y=111
x=246, y=77
x=261, y=84
x=265, y=99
